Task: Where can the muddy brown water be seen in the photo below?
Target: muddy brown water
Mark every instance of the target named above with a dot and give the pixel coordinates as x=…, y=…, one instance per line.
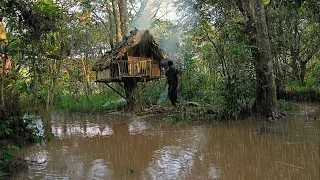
x=127, y=147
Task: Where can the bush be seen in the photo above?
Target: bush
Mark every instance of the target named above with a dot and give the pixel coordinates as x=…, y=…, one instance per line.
x=16, y=129
x=14, y=132
x=284, y=105
x=150, y=92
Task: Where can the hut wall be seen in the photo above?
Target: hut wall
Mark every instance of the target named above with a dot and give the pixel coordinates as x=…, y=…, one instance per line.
x=103, y=74
x=155, y=70
x=139, y=66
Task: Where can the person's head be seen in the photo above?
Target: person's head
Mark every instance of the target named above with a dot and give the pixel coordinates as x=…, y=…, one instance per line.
x=170, y=64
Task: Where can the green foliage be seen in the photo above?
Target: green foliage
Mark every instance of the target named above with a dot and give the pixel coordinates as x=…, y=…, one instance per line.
x=95, y=102
x=150, y=92
x=7, y=154
x=3, y=174
x=266, y=2
x=192, y=77
x=219, y=72
x=297, y=92
x=294, y=32
x=48, y=8
x=5, y=129
x=285, y=105
x=17, y=129
x=7, y=158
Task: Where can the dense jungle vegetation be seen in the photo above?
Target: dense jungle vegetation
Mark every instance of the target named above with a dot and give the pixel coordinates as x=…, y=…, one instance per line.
x=236, y=56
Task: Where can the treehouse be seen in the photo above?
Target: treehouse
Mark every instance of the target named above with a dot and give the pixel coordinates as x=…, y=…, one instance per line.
x=136, y=59
x=138, y=56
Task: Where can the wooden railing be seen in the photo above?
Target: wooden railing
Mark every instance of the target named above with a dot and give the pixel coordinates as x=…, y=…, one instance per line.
x=131, y=68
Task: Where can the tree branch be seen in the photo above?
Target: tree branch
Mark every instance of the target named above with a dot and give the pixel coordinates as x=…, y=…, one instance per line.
x=134, y=9
x=141, y=9
x=156, y=11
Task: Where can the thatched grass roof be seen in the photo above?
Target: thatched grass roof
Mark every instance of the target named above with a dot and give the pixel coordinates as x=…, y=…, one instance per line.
x=139, y=43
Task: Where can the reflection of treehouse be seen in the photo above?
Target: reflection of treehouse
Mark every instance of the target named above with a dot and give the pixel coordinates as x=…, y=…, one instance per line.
x=136, y=59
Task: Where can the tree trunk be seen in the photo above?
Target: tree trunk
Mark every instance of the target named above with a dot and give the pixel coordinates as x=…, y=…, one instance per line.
x=124, y=17
x=266, y=100
x=303, y=70
x=53, y=82
x=3, y=108
x=295, y=48
x=132, y=95
x=50, y=85
x=47, y=122
x=294, y=61
x=117, y=20
x=85, y=69
x=34, y=102
x=110, y=25
x=3, y=77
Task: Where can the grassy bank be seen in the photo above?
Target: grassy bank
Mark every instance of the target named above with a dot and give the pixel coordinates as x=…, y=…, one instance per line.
x=93, y=103
x=107, y=99
x=300, y=94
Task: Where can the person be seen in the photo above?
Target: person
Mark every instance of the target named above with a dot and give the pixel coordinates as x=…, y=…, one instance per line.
x=173, y=80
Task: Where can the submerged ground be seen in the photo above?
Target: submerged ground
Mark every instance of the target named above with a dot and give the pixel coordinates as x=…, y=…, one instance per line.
x=99, y=146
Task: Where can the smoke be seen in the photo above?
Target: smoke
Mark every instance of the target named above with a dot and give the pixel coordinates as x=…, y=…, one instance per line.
x=169, y=21
x=149, y=12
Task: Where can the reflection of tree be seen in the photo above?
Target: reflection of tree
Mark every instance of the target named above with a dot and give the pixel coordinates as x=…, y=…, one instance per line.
x=180, y=160
x=47, y=122
x=99, y=170
x=172, y=162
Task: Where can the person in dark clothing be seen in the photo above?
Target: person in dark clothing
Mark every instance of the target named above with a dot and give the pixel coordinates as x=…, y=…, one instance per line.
x=173, y=80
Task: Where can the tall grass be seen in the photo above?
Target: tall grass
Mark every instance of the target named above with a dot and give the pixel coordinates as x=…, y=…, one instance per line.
x=95, y=102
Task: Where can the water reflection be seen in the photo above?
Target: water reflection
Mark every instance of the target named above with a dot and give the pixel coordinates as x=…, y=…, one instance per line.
x=35, y=123
x=85, y=129
x=138, y=126
x=114, y=147
x=172, y=162
x=99, y=170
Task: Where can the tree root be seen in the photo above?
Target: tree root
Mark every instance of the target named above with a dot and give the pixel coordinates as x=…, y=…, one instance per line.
x=276, y=115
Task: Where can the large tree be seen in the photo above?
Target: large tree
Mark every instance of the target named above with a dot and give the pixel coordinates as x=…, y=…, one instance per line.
x=130, y=83
x=124, y=17
x=266, y=100
x=294, y=30
x=117, y=20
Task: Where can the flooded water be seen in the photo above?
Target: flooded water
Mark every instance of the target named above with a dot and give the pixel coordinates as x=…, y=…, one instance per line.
x=122, y=147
